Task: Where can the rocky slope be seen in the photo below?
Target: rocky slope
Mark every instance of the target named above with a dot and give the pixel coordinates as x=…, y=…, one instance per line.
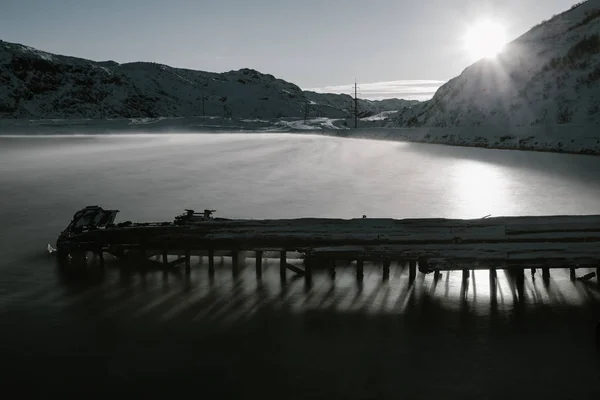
x=36, y=84
x=549, y=76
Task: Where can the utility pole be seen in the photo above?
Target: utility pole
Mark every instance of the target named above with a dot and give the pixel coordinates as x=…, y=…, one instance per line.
x=306, y=110
x=355, y=105
x=203, y=112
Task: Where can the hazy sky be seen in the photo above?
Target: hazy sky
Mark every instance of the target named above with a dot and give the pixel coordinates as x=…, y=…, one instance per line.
x=313, y=43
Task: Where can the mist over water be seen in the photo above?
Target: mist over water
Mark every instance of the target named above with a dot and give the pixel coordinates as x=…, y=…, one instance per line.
x=334, y=339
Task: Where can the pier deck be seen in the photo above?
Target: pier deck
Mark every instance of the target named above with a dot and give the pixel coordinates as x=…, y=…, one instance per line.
x=430, y=245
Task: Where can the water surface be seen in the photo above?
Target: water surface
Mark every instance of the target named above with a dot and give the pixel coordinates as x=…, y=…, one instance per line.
x=243, y=337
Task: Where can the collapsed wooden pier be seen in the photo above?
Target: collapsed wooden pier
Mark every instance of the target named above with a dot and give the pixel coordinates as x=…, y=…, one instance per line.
x=425, y=245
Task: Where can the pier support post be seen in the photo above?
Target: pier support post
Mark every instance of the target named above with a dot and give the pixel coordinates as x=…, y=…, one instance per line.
x=546, y=273
x=465, y=275
x=259, y=256
x=572, y=274
x=332, y=270
x=187, y=259
x=386, y=269
x=211, y=261
x=100, y=258
x=412, y=270
x=235, y=262
x=360, y=268
x=520, y=277
x=308, y=271
x=165, y=257
x=282, y=264
x=598, y=276
x=493, y=274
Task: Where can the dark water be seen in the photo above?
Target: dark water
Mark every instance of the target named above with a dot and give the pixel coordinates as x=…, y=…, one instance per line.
x=147, y=332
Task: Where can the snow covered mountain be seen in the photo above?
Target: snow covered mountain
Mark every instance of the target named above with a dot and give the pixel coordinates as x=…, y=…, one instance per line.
x=36, y=84
x=548, y=76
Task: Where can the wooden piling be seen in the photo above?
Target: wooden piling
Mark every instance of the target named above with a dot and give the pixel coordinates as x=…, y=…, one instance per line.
x=282, y=264
x=308, y=271
x=572, y=274
x=546, y=273
x=259, y=256
x=165, y=257
x=598, y=276
x=101, y=258
x=235, y=261
x=412, y=270
x=386, y=269
x=520, y=275
x=211, y=261
x=360, y=267
x=187, y=259
x=465, y=274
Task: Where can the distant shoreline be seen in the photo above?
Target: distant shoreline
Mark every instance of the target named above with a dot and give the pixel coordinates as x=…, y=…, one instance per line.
x=563, y=139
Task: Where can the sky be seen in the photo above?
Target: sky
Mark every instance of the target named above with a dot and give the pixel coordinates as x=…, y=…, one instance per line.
x=408, y=48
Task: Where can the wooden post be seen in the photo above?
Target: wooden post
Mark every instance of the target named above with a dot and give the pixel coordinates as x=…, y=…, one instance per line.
x=520, y=277
x=235, y=261
x=211, y=261
x=598, y=276
x=165, y=257
x=187, y=259
x=332, y=271
x=386, y=269
x=259, y=255
x=412, y=270
x=572, y=274
x=101, y=258
x=282, y=264
x=308, y=271
x=465, y=274
x=493, y=274
x=546, y=273
x=360, y=267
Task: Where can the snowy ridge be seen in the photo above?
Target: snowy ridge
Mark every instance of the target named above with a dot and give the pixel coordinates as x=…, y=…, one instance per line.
x=35, y=84
x=548, y=76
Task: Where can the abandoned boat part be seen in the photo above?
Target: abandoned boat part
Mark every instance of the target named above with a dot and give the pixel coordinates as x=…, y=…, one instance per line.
x=426, y=245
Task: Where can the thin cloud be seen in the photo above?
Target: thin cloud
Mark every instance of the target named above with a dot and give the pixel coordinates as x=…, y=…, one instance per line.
x=404, y=89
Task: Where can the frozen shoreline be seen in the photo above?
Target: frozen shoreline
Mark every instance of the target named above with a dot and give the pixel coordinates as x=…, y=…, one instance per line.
x=568, y=138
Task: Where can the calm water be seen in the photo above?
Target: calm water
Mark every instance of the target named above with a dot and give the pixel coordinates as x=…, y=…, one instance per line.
x=150, y=332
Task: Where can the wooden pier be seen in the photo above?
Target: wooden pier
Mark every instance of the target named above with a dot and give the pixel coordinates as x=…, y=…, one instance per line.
x=425, y=245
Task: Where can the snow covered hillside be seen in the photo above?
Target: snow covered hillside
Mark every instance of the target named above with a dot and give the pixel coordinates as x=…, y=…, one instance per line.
x=549, y=76
x=36, y=84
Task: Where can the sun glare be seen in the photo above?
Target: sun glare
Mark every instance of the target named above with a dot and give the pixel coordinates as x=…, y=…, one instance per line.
x=485, y=39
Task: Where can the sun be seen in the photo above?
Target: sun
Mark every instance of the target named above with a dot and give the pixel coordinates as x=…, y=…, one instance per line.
x=485, y=39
